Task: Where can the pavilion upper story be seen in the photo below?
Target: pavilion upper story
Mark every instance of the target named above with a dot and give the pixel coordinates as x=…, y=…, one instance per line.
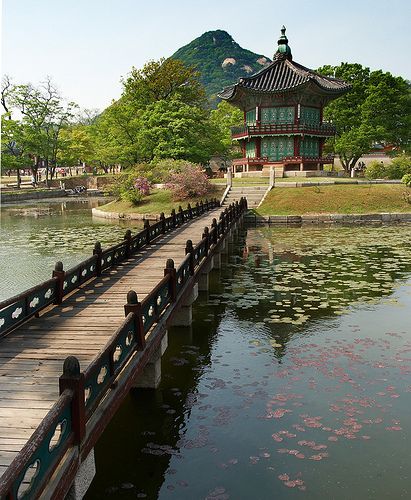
x=283, y=113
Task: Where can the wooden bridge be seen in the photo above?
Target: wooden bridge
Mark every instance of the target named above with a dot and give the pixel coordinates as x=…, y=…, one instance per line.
x=106, y=321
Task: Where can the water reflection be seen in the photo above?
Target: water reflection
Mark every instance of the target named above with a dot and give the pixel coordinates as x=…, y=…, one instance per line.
x=293, y=377
x=34, y=236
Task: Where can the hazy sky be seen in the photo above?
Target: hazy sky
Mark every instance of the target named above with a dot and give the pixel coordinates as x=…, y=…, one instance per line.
x=85, y=46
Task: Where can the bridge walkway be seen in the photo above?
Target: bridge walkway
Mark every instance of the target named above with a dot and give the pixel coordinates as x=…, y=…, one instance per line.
x=32, y=356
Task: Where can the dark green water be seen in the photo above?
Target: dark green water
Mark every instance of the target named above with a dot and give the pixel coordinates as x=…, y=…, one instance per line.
x=294, y=379
x=30, y=245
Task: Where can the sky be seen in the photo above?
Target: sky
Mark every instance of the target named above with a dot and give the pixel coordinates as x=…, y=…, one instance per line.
x=86, y=46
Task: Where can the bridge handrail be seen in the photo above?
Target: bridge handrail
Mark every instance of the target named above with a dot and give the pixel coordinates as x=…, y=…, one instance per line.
x=81, y=392
x=17, y=309
x=32, y=467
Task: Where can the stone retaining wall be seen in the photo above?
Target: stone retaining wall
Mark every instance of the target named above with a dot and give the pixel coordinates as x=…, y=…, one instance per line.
x=32, y=195
x=329, y=219
x=331, y=183
x=124, y=216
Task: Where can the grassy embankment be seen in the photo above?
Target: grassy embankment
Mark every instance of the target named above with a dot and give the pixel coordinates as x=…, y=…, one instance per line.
x=337, y=199
x=158, y=201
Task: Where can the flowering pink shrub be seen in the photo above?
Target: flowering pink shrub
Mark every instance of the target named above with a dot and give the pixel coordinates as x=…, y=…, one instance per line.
x=133, y=190
x=142, y=185
x=188, y=182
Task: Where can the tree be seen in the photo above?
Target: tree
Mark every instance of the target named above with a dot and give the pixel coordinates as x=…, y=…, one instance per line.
x=43, y=116
x=161, y=114
x=75, y=146
x=377, y=109
x=12, y=157
x=173, y=129
x=162, y=80
x=222, y=119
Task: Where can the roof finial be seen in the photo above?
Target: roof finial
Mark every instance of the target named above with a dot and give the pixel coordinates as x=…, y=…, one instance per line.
x=283, y=51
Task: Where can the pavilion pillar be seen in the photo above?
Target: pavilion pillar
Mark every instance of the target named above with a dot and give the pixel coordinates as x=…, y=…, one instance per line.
x=301, y=166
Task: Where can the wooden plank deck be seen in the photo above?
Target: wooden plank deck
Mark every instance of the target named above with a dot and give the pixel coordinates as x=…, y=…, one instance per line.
x=31, y=357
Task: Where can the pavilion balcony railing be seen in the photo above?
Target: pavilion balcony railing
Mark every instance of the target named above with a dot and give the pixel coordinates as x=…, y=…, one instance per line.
x=264, y=160
x=319, y=129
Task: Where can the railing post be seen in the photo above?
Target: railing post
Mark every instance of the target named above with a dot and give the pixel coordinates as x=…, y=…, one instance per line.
x=215, y=228
x=98, y=251
x=171, y=271
x=180, y=214
x=206, y=235
x=134, y=306
x=147, y=228
x=190, y=250
x=173, y=215
x=190, y=211
x=60, y=274
x=197, y=209
x=227, y=212
x=272, y=177
x=163, y=223
x=222, y=218
x=127, y=238
x=206, y=205
x=237, y=209
x=201, y=207
x=73, y=380
x=229, y=177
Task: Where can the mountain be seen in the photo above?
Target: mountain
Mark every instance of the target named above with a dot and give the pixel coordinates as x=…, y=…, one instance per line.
x=219, y=60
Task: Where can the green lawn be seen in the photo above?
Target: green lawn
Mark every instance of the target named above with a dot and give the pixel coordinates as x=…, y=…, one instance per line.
x=342, y=199
x=158, y=201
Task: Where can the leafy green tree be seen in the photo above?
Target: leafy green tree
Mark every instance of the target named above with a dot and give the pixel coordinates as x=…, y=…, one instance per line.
x=13, y=155
x=173, y=129
x=222, y=119
x=377, y=109
x=75, y=146
x=161, y=114
x=116, y=134
x=162, y=80
x=44, y=115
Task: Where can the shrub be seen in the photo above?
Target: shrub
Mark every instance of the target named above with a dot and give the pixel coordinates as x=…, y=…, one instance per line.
x=407, y=180
x=190, y=181
x=152, y=172
x=132, y=189
x=400, y=166
x=375, y=170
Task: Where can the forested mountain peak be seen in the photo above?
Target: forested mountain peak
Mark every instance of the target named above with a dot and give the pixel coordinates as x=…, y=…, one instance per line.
x=220, y=60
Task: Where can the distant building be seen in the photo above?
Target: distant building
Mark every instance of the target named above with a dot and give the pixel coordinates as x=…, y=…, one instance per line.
x=283, y=115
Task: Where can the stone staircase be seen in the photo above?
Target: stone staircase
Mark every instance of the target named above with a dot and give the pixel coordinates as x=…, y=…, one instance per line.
x=254, y=195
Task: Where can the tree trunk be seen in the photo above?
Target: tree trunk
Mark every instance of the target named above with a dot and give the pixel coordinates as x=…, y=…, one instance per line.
x=47, y=173
x=18, y=178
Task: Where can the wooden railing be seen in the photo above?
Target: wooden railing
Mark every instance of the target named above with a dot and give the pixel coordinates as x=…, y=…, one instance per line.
x=286, y=159
x=321, y=129
x=18, y=309
x=81, y=392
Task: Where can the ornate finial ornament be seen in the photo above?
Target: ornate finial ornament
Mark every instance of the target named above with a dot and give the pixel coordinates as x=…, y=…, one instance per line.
x=283, y=51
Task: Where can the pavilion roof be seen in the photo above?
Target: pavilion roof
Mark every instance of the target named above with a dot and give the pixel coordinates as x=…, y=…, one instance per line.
x=284, y=74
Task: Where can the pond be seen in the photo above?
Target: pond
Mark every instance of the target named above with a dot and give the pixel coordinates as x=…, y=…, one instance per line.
x=35, y=236
x=293, y=380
